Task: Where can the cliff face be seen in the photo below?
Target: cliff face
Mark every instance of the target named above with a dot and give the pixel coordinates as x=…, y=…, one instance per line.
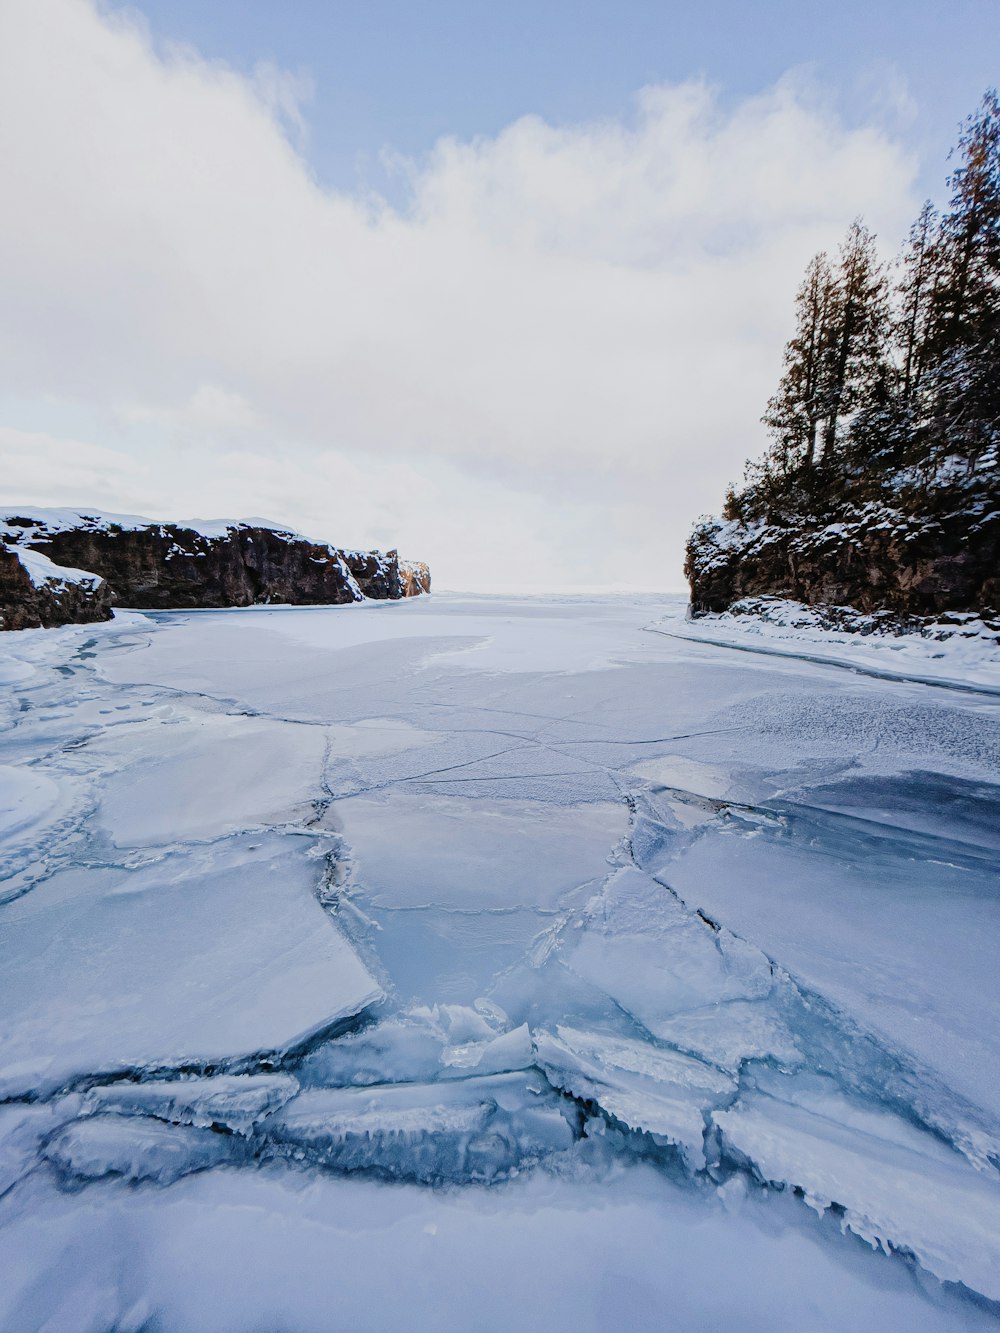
x=35, y=593
x=168, y=565
x=922, y=553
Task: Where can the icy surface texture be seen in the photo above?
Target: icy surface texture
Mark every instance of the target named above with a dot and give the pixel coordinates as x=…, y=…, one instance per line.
x=193, y=960
x=470, y=938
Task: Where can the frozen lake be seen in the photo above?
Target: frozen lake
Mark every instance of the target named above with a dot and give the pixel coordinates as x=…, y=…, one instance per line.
x=473, y=962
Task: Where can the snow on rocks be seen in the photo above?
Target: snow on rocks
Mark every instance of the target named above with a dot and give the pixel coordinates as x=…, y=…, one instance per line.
x=44, y=572
x=192, y=563
x=36, y=592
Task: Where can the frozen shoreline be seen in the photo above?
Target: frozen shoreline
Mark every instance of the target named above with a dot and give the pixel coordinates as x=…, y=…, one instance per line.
x=962, y=653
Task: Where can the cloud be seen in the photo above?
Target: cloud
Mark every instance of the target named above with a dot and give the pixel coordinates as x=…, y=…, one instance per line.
x=210, y=410
x=540, y=370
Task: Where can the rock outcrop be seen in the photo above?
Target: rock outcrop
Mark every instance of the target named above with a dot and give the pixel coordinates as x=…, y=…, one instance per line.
x=62, y=566
x=932, y=550
x=35, y=593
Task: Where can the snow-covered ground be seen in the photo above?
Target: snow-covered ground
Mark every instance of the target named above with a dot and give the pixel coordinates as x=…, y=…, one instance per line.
x=485, y=963
x=960, y=649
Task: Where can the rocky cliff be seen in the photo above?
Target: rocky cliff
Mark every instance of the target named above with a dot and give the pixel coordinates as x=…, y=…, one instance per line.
x=35, y=593
x=62, y=566
x=922, y=550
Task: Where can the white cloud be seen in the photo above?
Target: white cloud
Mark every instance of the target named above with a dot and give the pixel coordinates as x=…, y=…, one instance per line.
x=210, y=410
x=542, y=371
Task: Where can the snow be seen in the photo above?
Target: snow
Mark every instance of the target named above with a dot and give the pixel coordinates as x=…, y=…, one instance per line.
x=94, y=520
x=961, y=651
x=226, y=1251
x=517, y=950
x=41, y=570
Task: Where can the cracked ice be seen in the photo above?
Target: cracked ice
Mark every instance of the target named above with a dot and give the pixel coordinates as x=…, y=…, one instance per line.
x=500, y=949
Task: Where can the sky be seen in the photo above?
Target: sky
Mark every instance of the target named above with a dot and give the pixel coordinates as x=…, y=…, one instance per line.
x=503, y=286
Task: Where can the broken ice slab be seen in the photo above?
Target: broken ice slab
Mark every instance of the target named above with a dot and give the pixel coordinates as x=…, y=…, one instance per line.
x=508, y=1051
x=205, y=775
x=455, y=852
x=236, y=1102
x=727, y=1034
x=638, y=943
x=133, y=1149
x=214, y=954
x=399, y=1049
x=471, y=1129
x=894, y=929
x=23, y=1127
x=658, y=1092
x=897, y=1184
x=419, y=1044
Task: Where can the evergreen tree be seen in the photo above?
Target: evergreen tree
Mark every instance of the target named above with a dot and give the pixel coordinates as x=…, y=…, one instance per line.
x=918, y=292
x=964, y=341
x=857, y=365
x=877, y=377
x=970, y=235
x=836, y=361
x=795, y=411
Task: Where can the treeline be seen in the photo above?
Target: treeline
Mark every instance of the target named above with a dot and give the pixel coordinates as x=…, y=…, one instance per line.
x=894, y=370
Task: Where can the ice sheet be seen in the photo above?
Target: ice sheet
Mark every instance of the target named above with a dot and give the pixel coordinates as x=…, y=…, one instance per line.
x=224, y=1251
x=412, y=851
x=189, y=779
x=200, y=957
x=897, y=1186
x=622, y=897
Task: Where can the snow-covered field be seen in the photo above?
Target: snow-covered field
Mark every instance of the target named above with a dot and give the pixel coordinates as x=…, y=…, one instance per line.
x=483, y=963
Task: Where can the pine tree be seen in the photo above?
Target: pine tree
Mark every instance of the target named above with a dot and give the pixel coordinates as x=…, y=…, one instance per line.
x=963, y=340
x=918, y=296
x=876, y=376
x=793, y=414
x=857, y=360
x=971, y=232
